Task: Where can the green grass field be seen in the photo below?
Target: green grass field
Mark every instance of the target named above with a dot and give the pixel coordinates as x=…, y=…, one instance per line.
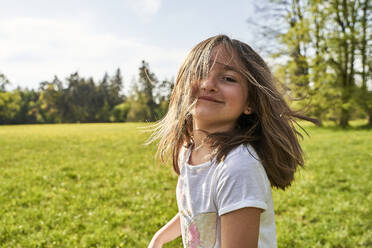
x=96, y=185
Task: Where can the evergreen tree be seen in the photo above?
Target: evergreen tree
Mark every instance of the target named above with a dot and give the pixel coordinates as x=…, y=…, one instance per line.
x=81, y=97
x=102, y=100
x=115, y=88
x=146, y=83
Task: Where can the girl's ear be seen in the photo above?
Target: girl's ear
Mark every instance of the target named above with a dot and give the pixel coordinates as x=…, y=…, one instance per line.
x=247, y=111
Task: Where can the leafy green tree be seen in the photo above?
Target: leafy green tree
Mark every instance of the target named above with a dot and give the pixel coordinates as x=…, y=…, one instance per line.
x=342, y=52
x=10, y=103
x=287, y=31
x=29, y=111
x=297, y=40
x=120, y=112
x=139, y=110
x=51, y=101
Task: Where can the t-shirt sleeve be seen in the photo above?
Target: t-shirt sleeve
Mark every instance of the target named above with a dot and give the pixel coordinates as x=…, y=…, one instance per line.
x=241, y=183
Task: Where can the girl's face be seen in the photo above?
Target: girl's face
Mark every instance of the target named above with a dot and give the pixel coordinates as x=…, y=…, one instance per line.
x=222, y=95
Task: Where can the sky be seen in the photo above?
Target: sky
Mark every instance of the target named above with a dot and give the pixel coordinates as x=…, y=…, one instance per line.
x=43, y=38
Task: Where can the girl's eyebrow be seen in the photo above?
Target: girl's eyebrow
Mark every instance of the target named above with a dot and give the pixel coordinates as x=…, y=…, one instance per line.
x=228, y=67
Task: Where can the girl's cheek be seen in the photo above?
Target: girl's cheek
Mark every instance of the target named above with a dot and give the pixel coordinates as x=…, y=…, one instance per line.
x=194, y=90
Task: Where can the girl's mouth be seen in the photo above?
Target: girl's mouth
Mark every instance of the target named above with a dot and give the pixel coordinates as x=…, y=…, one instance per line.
x=208, y=98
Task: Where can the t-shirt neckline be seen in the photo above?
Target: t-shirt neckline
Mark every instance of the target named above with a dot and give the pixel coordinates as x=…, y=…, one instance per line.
x=196, y=166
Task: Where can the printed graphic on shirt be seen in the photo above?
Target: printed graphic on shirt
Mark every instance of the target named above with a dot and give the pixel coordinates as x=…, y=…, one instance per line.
x=199, y=231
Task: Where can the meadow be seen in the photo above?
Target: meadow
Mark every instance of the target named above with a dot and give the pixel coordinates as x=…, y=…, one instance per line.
x=97, y=185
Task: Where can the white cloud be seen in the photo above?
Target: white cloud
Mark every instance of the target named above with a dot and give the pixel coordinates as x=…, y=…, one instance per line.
x=145, y=7
x=35, y=49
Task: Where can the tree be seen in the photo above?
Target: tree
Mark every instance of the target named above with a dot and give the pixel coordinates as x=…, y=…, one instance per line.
x=3, y=82
x=138, y=111
x=29, y=111
x=365, y=47
x=120, y=112
x=296, y=42
x=288, y=35
x=342, y=49
x=81, y=99
x=114, y=89
x=146, y=83
x=162, y=96
x=9, y=106
x=51, y=101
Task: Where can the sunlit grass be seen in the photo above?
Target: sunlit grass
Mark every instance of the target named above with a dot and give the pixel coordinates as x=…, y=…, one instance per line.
x=96, y=185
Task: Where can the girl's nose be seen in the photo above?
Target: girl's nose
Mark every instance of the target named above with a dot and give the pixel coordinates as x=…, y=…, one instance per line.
x=208, y=84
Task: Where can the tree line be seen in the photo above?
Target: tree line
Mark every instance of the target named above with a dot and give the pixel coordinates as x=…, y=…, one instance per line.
x=326, y=49
x=80, y=99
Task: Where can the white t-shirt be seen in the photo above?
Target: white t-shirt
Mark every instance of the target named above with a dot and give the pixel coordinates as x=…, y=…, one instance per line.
x=209, y=190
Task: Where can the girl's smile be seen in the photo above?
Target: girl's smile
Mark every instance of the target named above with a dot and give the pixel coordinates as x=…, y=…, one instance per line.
x=210, y=99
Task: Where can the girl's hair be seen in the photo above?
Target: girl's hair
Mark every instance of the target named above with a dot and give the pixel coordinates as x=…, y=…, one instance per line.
x=269, y=129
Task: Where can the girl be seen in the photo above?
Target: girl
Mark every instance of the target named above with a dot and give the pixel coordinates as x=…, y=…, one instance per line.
x=231, y=137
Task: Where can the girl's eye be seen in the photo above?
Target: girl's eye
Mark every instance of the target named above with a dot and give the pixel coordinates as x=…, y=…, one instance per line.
x=229, y=79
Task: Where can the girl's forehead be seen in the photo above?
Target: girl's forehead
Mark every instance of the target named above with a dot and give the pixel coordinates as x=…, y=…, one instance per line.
x=225, y=57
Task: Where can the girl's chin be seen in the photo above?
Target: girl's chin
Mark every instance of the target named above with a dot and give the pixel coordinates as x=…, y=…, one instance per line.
x=208, y=122
x=208, y=108
x=202, y=114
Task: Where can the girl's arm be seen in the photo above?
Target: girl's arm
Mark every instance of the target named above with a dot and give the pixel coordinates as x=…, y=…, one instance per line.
x=240, y=228
x=167, y=233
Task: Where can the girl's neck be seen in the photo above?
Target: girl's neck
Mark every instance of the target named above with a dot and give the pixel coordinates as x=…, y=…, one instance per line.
x=199, y=139
x=201, y=150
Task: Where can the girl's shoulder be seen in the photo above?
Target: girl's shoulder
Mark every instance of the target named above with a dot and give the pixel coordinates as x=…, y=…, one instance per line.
x=241, y=160
x=244, y=153
x=243, y=165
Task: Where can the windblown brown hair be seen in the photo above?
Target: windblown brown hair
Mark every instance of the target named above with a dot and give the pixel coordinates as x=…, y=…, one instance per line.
x=269, y=129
